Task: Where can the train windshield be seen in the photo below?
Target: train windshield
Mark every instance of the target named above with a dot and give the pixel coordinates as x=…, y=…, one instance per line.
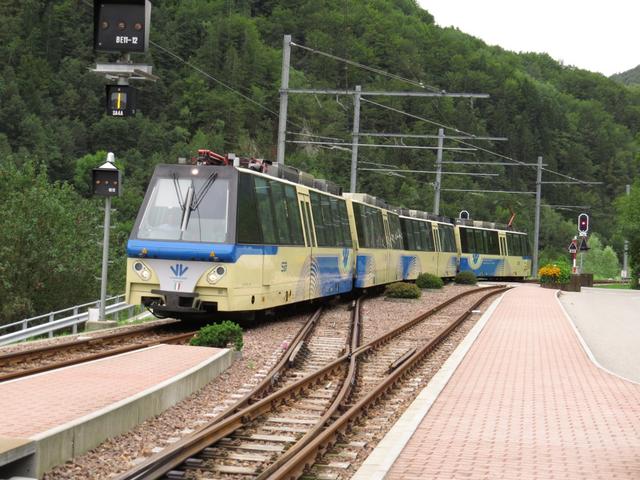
x=187, y=209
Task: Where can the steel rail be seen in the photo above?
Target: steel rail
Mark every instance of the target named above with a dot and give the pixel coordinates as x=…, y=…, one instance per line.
x=162, y=463
x=95, y=356
x=277, y=371
x=235, y=416
x=295, y=467
x=17, y=355
x=347, y=386
x=251, y=398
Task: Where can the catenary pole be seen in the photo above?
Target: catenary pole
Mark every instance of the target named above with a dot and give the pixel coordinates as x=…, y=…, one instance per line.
x=625, y=260
x=437, y=185
x=355, y=139
x=284, y=98
x=105, y=250
x=536, y=234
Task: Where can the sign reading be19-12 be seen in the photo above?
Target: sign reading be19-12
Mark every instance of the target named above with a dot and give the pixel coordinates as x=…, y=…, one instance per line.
x=121, y=25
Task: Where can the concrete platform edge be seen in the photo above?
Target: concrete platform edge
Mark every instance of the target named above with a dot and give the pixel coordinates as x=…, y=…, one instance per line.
x=380, y=461
x=584, y=344
x=64, y=442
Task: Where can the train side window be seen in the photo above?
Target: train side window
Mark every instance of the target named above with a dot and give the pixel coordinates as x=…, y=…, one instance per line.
x=404, y=225
x=418, y=235
x=247, y=211
x=344, y=220
x=358, y=214
x=380, y=238
x=494, y=245
x=278, y=201
x=264, y=210
x=320, y=228
x=329, y=233
x=463, y=239
x=369, y=226
x=336, y=223
x=479, y=241
x=427, y=235
x=514, y=245
x=421, y=241
x=525, y=245
x=466, y=240
x=394, y=231
x=448, y=242
x=293, y=213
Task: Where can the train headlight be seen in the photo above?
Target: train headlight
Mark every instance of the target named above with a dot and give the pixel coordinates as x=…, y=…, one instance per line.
x=143, y=272
x=215, y=274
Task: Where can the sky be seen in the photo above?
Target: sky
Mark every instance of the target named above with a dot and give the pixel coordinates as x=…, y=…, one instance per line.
x=597, y=35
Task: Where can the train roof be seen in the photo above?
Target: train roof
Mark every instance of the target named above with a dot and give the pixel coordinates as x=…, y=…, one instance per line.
x=296, y=176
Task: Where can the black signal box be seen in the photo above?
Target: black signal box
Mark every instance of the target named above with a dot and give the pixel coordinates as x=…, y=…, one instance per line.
x=106, y=181
x=121, y=25
x=121, y=101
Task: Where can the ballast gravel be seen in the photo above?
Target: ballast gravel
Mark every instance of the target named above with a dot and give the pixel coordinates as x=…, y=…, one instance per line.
x=263, y=345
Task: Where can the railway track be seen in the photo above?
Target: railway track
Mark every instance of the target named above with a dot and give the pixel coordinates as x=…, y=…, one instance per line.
x=28, y=362
x=276, y=436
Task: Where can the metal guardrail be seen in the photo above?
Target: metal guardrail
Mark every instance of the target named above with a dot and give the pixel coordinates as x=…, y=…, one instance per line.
x=48, y=323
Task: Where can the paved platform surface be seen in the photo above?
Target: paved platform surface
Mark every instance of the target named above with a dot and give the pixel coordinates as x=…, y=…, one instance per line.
x=609, y=321
x=48, y=418
x=526, y=402
x=35, y=404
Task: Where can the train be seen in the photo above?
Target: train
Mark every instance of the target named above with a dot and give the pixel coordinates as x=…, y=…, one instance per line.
x=226, y=235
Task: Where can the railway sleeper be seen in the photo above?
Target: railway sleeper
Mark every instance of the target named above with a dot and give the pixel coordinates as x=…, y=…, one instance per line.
x=214, y=453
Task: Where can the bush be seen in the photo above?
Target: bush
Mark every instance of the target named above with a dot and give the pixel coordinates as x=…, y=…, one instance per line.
x=559, y=272
x=403, y=290
x=466, y=278
x=427, y=280
x=219, y=335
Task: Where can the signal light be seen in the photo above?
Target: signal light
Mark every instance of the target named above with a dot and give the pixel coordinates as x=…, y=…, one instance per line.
x=120, y=101
x=583, y=223
x=121, y=25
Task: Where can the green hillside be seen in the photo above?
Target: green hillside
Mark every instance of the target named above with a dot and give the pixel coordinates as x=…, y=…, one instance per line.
x=630, y=77
x=52, y=114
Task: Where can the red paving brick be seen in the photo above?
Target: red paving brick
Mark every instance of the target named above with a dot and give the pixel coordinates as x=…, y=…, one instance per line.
x=527, y=403
x=36, y=404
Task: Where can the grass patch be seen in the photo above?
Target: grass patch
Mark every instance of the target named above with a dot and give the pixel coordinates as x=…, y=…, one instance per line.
x=615, y=286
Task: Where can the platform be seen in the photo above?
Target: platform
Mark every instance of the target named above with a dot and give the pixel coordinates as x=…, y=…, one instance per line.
x=525, y=402
x=48, y=418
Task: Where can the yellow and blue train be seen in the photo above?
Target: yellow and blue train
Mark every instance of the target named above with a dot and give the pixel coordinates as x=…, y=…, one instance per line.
x=250, y=236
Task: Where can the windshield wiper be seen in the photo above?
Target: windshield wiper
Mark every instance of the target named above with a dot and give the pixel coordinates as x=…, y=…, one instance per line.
x=205, y=189
x=187, y=209
x=190, y=205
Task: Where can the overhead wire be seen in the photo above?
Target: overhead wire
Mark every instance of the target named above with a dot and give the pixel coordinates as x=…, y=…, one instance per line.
x=369, y=68
x=486, y=150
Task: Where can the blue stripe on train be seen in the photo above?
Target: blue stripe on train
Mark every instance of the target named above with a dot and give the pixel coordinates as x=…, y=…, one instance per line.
x=219, y=252
x=409, y=266
x=482, y=267
x=331, y=281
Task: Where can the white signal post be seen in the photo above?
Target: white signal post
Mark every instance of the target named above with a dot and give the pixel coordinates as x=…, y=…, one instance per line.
x=573, y=249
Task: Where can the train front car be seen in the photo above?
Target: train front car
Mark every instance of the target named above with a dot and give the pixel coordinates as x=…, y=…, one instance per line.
x=211, y=240
x=183, y=241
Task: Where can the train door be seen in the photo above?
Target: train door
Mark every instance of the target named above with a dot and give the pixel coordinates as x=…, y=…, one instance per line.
x=310, y=242
x=503, y=244
x=389, y=268
x=437, y=243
